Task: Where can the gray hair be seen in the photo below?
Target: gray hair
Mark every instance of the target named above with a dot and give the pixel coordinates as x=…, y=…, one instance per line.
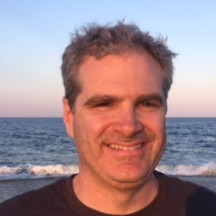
x=99, y=41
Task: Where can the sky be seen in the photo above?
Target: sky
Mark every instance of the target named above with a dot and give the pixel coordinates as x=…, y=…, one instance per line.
x=34, y=34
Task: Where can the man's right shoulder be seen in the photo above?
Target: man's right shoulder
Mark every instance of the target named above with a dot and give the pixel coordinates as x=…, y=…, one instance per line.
x=37, y=202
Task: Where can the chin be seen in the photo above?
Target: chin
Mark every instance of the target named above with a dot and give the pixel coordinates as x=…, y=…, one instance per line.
x=132, y=178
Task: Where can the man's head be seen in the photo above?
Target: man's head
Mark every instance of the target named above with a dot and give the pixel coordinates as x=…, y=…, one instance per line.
x=99, y=41
x=117, y=80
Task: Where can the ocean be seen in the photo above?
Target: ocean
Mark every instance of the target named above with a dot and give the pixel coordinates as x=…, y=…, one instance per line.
x=39, y=147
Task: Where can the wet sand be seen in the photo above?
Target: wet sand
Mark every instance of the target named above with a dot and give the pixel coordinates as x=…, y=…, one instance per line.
x=11, y=188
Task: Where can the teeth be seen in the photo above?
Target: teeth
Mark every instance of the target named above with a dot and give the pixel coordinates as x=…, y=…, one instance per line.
x=119, y=147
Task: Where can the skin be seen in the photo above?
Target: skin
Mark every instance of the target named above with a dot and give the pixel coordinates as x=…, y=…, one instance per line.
x=118, y=123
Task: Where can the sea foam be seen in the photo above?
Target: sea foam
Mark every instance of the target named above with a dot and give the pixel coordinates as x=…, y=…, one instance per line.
x=208, y=169
x=58, y=170
x=36, y=171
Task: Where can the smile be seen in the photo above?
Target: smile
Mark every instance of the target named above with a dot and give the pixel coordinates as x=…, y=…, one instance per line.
x=125, y=148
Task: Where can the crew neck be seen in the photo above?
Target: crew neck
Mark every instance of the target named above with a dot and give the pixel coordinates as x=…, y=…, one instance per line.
x=81, y=209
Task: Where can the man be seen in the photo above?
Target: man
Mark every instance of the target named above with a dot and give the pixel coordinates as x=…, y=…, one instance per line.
x=116, y=82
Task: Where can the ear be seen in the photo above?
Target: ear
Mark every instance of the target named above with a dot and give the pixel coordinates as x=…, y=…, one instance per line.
x=68, y=118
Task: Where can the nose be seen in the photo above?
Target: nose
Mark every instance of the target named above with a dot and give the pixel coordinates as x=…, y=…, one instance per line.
x=128, y=122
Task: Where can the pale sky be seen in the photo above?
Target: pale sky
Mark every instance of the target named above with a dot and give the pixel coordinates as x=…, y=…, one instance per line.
x=34, y=34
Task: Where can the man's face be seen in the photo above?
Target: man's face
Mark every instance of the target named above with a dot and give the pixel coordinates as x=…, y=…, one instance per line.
x=119, y=118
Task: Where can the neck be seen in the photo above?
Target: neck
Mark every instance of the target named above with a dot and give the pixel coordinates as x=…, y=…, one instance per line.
x=125, y=199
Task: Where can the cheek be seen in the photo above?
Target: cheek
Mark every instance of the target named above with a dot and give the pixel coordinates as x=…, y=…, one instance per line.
x=88, y=130
x=159, y=125
x=160, y=132
x=95, y=125
x=155, y=122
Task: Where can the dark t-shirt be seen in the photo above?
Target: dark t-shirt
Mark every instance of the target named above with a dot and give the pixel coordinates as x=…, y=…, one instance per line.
x=175, y=198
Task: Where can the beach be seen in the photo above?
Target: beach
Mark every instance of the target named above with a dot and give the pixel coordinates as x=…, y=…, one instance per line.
x=11, y=188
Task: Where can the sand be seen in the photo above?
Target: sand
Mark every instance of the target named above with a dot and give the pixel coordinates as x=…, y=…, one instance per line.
x=11, y=188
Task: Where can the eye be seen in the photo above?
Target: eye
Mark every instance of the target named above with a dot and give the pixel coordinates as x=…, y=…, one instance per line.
x=147, y=104
x=150, y=104
x=103, y=104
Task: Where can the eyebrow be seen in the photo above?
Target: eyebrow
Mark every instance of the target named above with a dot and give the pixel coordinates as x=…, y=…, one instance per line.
x=149, y=97
x=96, y=99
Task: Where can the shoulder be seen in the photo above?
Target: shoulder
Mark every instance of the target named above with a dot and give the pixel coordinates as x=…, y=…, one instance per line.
x=197, y=200
x=37, y=202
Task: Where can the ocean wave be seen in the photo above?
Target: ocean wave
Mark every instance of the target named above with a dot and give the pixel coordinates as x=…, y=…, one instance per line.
x=36, y=171
x=208, y=169
x=58, y=170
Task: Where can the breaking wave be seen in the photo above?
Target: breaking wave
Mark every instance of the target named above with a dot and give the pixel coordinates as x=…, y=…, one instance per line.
x=208, y=169
x=58, y=170
x=33, y=171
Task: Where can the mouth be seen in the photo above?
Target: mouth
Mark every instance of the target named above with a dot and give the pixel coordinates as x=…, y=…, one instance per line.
x=125, y=148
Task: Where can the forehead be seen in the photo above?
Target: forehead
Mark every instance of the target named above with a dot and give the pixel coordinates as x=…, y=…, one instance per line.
x=129, y=71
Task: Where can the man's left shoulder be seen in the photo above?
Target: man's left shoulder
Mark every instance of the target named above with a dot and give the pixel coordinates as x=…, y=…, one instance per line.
x=202, y=202
x=197, y=199
x=189, y=188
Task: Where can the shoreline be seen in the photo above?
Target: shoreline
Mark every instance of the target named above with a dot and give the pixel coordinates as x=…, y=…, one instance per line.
x=14, y=187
